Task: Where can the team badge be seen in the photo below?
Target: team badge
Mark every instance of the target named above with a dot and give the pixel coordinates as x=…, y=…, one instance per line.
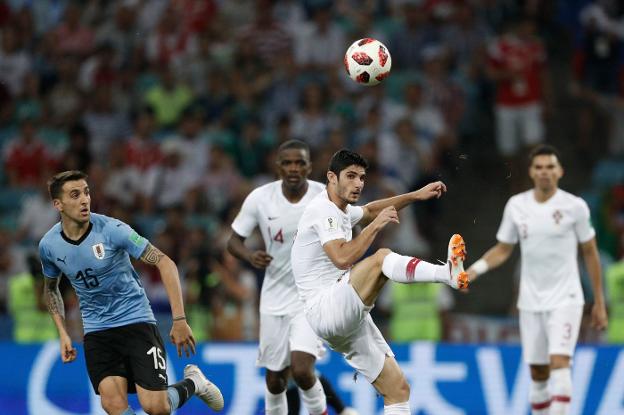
x=98, y=250
x=331, y=224
x=557, y=216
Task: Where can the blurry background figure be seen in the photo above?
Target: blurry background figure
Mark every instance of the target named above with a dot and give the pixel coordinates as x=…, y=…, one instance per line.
x=31, y=321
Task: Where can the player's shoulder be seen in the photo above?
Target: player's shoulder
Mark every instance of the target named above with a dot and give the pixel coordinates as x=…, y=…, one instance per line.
x=569, y=199
x=520, y=198
x=51, y=235
x=265, y=190
x=315, y=187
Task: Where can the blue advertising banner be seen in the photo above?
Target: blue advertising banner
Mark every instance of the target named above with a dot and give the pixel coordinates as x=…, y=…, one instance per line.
x=444, y=379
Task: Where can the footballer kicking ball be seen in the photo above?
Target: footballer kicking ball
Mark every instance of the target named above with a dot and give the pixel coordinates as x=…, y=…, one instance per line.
x=368, y=61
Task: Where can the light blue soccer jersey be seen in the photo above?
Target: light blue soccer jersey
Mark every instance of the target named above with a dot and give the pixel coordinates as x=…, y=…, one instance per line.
x=98, y=267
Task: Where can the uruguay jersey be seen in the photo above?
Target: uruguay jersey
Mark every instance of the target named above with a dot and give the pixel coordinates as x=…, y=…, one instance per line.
x=98, y=267
x=549, y=234
x=321, y=222
x=267, y=208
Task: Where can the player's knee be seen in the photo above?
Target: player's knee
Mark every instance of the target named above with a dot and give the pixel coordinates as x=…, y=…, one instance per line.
x=114, y=404
x=303, y=375
x=381, y=254
x=157, y=408
x=540, y=373
x=275, y=382
x=402, y=391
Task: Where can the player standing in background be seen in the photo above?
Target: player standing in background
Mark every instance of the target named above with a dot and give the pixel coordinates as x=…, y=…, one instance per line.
x=339, y=293
x=549, y=223
x=123, y=349
x=286, y=340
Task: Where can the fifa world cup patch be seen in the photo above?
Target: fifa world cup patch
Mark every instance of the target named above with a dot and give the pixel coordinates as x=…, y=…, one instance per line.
x=99, y=251
x=136, y=239
x=331, y=224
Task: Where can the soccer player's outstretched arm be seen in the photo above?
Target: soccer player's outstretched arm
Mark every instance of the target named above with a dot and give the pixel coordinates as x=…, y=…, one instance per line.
x=372, y=209
x=344, y=254
x=236, y=246
x=494, y=257
x=56, y=307
x=181, y=334
x=592, y=263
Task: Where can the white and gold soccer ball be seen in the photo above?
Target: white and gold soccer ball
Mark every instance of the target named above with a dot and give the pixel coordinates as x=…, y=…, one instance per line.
x=368, y=61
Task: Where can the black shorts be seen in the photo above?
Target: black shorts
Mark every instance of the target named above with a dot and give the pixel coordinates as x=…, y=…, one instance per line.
x=135, y=352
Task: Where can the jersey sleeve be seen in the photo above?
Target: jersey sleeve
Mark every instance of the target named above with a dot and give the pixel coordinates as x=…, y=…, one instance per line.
x=325, y=222
x=50, y=270
x=355, y=214
x=122, y=236
x=247, y=219
x=582, y=226
x=507, y=231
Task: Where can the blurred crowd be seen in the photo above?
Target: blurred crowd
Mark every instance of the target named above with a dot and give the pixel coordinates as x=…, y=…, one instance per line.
x=175, y=108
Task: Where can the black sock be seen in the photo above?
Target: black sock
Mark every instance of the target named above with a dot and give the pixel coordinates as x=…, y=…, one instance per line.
x=186, y=389
x=332, y=397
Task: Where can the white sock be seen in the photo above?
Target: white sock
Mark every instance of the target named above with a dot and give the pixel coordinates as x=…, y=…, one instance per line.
x=397, y=409
x=539, y=398
x=406, y=269
x=561, y=384
x=314, y=399
x=275, y=404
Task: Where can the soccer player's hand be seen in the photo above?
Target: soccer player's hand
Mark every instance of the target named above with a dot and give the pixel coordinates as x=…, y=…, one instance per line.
x=387, y=215
x=68, y=352
x=599, y=318
x=182, y=336
x=431, y=190
x=260, y=259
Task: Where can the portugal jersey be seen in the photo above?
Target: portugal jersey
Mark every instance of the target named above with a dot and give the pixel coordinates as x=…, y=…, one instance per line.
x=549, y=234
x=98, y=267
x=321, y=222
x=267, y=208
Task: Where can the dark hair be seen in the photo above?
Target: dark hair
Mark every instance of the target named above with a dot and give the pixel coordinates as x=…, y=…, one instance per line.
x=294, y=144
x=55, y=184
x=345, y=158
x=544, y=150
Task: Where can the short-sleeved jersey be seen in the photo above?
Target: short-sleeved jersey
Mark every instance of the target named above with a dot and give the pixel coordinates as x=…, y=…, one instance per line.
x=321, y=222
x=98, y=266
x=549, y=234
x=267, y=208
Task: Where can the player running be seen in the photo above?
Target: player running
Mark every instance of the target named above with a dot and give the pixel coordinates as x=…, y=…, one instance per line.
x=124, y=352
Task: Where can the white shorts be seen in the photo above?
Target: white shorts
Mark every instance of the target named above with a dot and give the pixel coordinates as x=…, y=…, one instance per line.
x=545, y=333
x=517, y=127
x=280, y=335
x=340, y=318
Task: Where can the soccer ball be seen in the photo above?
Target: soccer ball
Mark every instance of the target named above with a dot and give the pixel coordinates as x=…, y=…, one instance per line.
x=368, y=61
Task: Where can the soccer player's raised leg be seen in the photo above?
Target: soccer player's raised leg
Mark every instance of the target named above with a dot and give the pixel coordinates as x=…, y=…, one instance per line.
x=370, y=274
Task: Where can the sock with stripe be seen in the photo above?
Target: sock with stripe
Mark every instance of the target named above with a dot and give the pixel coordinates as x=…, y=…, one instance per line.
x=561, y=386
x=539, y=398
x=405, y=269
x=314, y=399
x=179, y=393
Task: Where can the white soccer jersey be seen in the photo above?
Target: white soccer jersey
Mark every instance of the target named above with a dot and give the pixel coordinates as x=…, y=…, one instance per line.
x=277, y=218
x=321, y=222
x=549, y=234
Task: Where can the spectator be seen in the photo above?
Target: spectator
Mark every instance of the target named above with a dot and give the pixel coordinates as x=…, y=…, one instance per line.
x=27, y=159
x=15, y=62
x=168, y=98
x=71, y=36
x=31, y=322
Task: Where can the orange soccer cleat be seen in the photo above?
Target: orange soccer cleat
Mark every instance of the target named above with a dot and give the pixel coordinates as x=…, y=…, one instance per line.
x=455, y=259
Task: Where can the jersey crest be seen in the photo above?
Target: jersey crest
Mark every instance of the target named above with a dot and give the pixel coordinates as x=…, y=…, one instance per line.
x=98, y=250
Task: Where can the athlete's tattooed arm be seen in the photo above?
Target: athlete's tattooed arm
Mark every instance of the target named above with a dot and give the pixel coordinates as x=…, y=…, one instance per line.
x=53, y=297
x=152, y=255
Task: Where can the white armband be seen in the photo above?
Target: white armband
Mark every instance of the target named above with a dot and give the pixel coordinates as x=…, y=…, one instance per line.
x=480, y=267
